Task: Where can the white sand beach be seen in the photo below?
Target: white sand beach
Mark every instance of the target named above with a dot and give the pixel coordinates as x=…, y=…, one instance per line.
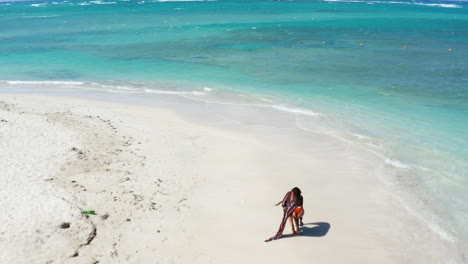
x=168, y=188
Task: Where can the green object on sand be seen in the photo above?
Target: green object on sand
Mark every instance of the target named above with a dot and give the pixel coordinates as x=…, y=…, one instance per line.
x=89, y=212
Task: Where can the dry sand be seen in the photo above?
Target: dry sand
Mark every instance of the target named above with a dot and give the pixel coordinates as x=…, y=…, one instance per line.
x=169, y=190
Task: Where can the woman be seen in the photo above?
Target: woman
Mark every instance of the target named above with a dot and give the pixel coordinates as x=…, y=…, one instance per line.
x=292, y=206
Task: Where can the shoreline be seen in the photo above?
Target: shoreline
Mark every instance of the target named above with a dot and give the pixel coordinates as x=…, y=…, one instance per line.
x=207, y=171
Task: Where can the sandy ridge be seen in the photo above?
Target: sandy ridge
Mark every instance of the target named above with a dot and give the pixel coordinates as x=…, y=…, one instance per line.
x=98, y=156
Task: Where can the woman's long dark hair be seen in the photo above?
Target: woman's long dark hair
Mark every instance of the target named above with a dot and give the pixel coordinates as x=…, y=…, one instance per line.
x=297, y=192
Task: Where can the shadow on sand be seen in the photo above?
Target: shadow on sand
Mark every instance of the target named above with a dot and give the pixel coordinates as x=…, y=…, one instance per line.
x=318, y=229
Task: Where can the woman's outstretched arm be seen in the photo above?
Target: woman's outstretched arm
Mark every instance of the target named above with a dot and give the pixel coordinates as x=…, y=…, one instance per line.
x=283, y=202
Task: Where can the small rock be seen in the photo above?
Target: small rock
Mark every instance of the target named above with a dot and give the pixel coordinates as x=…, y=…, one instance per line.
x=125, y=179
x=105, y=216
x=128, y=220
x=65, y=225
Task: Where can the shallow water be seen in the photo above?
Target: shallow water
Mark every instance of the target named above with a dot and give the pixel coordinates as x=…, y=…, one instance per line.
x=391, y=75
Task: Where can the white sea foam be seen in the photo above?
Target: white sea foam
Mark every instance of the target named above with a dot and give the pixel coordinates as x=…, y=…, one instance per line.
x=440, y=5
x=102, y=3
x=359, y=136
x=397, y=2
x=173, y=92
x=281, y=107
x=382, y=93
x=42, y=82
x=325, y=132
x=266, y=100
x=375, y=146
x=113, y=87
x=185, y=0
x=39, y=5
x=42, y=16
x=108, y=87
x=391, y=162
x=295, y=110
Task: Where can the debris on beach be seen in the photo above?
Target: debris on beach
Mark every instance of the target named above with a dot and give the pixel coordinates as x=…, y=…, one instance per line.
x=105, y=216
x=65, y=225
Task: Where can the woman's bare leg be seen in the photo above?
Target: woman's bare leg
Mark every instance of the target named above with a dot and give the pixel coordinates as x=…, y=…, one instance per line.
x=296, y=220
x=300, y=216
x=283, y=223
x=294, y=217
x=292, y=225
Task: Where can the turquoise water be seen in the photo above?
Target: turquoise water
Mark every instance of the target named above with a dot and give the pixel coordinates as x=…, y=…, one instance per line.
x=409, y=103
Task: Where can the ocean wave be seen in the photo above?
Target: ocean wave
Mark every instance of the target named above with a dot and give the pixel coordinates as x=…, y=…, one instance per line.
x=185, y=0
x=440, y=5
x=359, y=136
x=324, y=132
x=96, y=3
x=39, y=5
x=200, y=95
x=266, y=100
x=354, y=138
x=42, y=82
x=375, y=146
x=149, y=88
x=42, y=16
x=391, y=162
x=294, y=110
x=172, y=92
x=102, y=3
x=397, y=2
x=108, y=87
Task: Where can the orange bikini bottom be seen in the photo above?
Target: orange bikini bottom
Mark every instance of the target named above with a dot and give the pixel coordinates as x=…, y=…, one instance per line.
x=298, y=210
